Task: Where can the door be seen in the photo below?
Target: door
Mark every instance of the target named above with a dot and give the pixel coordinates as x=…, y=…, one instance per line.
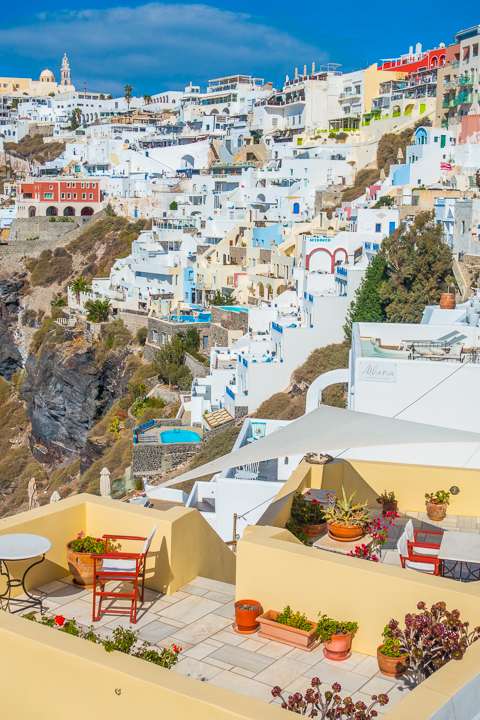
x=443, y=140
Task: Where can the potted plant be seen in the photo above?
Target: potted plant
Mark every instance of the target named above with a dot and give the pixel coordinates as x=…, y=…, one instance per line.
x=79, y=558
x=336, y=637
x=391, y=657
x=303, y=535
x=322, y=704
x=246, y=614
x=139, y=486
x=289, y=628
x=388, y=502
x=437, y=504
x=347, y=522
x=309, y=514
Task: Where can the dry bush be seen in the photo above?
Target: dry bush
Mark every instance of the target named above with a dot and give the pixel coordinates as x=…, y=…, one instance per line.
x=363, y=179
x=50, y=267
x=116, y=458
x=5, y=390
x=322, y=360
x=273, y=407
x=62, y=475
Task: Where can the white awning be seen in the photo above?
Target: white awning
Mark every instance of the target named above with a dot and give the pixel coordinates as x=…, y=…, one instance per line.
x=326, y=429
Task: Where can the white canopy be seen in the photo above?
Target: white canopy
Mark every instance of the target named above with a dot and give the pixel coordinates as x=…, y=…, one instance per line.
x=326, y=429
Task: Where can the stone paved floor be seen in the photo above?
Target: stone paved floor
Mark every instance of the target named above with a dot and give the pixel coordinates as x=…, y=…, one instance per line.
x=199, y=619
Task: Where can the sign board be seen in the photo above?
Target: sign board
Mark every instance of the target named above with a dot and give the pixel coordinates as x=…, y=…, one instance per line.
x=378, y=372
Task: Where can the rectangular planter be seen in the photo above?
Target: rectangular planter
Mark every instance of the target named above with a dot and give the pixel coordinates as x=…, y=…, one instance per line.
x=283, y=633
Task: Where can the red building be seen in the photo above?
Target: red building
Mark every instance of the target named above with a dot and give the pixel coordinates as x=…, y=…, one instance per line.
x=418, y=60
x=51, y=197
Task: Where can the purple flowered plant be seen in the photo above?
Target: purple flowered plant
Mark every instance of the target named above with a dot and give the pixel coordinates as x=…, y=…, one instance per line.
x=329, y=705
x=432, y=638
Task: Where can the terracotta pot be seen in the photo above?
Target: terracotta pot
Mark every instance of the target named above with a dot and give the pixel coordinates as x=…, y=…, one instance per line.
x=246, y=620
x=447, y=301
x=81, y=567
x=315, y=529
x=302, y=639
x=391, y=666
x=389, y=507
x=344, y=533
x=338, y=648
x=436, y=511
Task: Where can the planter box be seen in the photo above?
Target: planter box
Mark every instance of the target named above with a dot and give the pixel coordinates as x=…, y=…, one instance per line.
x=272, y=630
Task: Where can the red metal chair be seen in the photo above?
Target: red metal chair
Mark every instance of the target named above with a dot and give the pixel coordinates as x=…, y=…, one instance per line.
x=425, y=548
x=411, y=561
x=120, y=566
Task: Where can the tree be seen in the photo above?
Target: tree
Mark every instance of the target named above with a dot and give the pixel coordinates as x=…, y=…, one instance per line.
x=51, y=94
x=101, y=96
x=220, y=299
x=173, y=205
x=141, y=336
x=97, y=310
x=147, y=99
x=368, y=306
x=14, y=103
x=192, y=339
x=169, y=363
x=419, y=267
x=384, y=201
x=109, y=97
x=75, y=118
x=58, y=301
x=79, y=285
x=128, y=95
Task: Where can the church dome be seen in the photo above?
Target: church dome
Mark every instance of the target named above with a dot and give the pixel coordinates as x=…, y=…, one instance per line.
x=47, y=76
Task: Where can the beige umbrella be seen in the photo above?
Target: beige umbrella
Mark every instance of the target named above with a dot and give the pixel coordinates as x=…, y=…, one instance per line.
x=399, y=154
x=32, y=494
x=105, y=485
x=382, y=175
x=55, y=496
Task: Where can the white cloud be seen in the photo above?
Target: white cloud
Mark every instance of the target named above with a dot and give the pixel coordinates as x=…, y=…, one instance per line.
x=156, y=45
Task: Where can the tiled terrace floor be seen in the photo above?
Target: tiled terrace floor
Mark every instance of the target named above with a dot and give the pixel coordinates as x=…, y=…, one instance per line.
x=199, y=619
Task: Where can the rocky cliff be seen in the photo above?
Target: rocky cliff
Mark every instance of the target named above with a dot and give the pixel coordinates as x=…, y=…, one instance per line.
x=66, y=392
x=10, y=356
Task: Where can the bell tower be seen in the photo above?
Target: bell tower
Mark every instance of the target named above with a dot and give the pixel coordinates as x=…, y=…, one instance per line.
x=65, y=71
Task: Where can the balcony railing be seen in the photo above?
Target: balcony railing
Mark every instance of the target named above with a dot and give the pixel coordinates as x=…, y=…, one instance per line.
x=466, y=80
x=447, y=104
x=463, y=99
x=456, y=64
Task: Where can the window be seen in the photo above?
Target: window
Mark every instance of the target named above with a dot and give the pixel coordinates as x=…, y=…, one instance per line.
x=68, y=184
x=68, y=196
x=74, y=196
x=358, y=89
x=84, y=196
x=274, y=122
x=154, y=335
x=83, y=185
x=87, y=185
x=435, y=139
x=48, y=196
x=63, y=196
x=463, y=227
x=94, y=185
x=378, y=227
x=475, y=50
x=74, y=185
x=90, y=196
x=50, y=187
x=205, y=341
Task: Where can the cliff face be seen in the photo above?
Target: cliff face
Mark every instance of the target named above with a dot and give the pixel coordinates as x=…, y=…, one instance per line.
x=10, y=356
x=66, y=394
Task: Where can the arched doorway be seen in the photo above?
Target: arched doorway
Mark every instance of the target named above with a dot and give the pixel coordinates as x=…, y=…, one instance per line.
x=296, y=208
x=52, y=211
x=69, y=211
x=32, y=212
x=261, y=289
x=281, y=289
x=86, y=211
x=188, y=162
x=269, y=290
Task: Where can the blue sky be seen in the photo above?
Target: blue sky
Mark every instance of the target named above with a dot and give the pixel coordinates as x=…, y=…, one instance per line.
x=156, y=46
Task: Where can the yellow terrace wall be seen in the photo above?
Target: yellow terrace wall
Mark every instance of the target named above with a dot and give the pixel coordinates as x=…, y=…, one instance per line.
x=184, y=545
x=277, y=573
x=49, y=675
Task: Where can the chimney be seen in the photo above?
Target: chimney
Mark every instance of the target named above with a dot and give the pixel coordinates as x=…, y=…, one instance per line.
x=410, y=50
x=418, y=48
x=304, y=70
x=296, y=73
x=287, y=79
x=313, y=68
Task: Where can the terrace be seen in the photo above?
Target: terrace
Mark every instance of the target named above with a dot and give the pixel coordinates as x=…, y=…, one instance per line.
x=192, y=580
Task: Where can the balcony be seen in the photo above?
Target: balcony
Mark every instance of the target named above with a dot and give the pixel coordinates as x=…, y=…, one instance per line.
x=448, y=103
x=466, y=80
x=456, y=64
x=463, y=99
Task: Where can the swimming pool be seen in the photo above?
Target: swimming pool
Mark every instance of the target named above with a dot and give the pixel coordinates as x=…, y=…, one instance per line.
x=233, y=308
x=179, y=436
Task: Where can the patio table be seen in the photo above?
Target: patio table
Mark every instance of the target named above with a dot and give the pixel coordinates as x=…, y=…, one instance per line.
x=16, y=548
x=460, y=549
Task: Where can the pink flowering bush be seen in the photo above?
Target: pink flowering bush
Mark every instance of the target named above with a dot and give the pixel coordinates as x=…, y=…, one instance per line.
x=329, y=705
x=90, y=545
x=379, y=532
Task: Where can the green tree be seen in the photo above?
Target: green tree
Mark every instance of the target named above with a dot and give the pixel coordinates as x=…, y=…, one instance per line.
x=79, y=285
x=219, y=299
x=419, y=267
x=97, y=310
x=58, y=300
x=75, y=118
x=141, y=336
x=367, y=306
x=147, y=99
x=14, y=103
x=173, y=205
x=109, y=97
x=192, y=339
x=128, y=95
x=169, y=363
x=101, y=96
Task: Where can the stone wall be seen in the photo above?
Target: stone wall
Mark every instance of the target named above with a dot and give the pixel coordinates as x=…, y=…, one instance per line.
x=169, y=329
x=215, y=431
x=217, y=337
x=230, y=319
x=150, y=459
x=197, y=368
x=265, y=256
x=45, y=129
x=238, y=254
x=41, y=228
x=133, y=319
x=240, y=411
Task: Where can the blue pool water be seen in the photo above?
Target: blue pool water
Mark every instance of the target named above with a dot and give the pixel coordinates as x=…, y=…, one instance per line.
x=234, y=308
x=179, y=436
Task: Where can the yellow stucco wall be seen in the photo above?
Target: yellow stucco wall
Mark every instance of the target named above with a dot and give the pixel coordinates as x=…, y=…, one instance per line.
x=184, y=545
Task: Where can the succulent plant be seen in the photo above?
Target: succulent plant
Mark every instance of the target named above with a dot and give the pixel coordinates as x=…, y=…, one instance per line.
x=318, y=704
x=344, y=512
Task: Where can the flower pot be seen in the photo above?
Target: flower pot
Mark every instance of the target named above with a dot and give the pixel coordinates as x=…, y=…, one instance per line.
x=338, y=648
x=81, y=567
x=246, y=620
x=315, y=529
x=447, y=301
x=436, y=511
x=392, y=666
x=272, y=630
x=345, y=533
x=389, y=507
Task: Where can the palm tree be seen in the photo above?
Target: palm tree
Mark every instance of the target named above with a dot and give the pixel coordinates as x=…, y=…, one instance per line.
x=97, y=310
x=147, y=99
x=101, y=96
x=80, y=285
x=128, y=95
x=109, y=97
x=76, y=114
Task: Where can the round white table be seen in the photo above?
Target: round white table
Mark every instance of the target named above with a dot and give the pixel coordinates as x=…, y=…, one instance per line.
x=17, y=548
